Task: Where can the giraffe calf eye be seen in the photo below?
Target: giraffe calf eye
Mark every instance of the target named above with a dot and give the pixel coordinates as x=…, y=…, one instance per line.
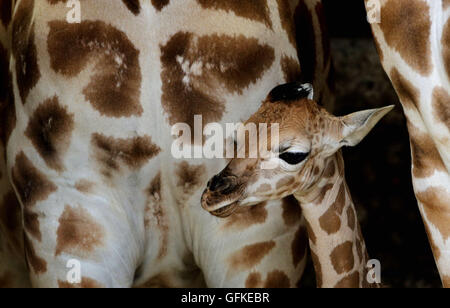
x=293, y=158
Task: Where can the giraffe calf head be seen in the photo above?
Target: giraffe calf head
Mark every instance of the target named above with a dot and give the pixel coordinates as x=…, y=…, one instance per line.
x=298, y=156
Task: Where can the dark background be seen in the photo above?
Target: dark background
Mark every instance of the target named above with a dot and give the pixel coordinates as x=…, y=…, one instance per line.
x=378, y=170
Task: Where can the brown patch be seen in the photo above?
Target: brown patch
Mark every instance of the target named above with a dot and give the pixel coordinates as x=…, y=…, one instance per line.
x=24, y=48
x=330, y=169
x=254, y=10
x=406, y=25
x=425, y=156
x=408, y=94
x=133, y=5
x=306, y=41
x=78, y=233
x=441, y=105
x=253, y=280
x=38, y=264
x=190, y=176
x=195, y=68
x=291, y=69
x=84, y=186
x=31, y=185
x=323, y=193
x=445, y=43
x=299, y=245
x=317, y=269
x=86, y=283
x=263, y=188
x=436, y=205
x=342, y=258
x=351, y=218
x=246, y=217
x=114, y=89
x=133, y=152
x=277, y=279
x=330, y=221
x=287, y=20
x=160, y=4
x=287, y=181
x=349, y=281
x=292, y=212
x=6, y=280
x=50, y=130
x=339, y=203
x=5, y=12
x=250, y=255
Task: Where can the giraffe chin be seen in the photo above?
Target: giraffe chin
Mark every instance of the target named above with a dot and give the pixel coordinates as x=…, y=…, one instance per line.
x=226, y=210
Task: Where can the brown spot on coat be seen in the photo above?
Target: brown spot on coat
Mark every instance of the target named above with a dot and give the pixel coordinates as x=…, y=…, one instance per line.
x=349, y=281
x=277, y=279
x=330, y=169
x=292, y=212
x=38, y=264
x=291, y=69
x=50, y=130
x=195, y=68
x=86, y=283
x=425, y=156
x=284, y=182
x=84, y=186
x=306, y=41
x=253, y=280
x=133, y=152
x=446, y=281
x=250, y=255
x=160, y=4
x=407, y=92
x=441, y=105
x=330, y=221
x=299, y=245
x=342, y=258
x=133, y=5
x=246, y=217
x=351, y=218
x=190, y=177
x=114, y=88
x=406, y=25
x=78, y=233
x=287, y=20
x=24, y=48
x=31, y=185
x=254, y=10
x=437, y=209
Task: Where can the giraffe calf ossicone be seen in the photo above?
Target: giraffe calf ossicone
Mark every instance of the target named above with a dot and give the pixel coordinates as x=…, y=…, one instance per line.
x=308, y=164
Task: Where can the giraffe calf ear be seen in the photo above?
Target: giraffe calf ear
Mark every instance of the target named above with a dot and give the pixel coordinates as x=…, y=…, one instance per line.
x=291, y=92
x=357, y=125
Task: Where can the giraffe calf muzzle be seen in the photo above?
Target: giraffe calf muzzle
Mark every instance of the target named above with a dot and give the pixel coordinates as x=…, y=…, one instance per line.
x=221, y=196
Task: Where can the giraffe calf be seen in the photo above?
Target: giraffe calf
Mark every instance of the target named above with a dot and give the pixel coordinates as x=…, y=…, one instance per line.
x=308, y=164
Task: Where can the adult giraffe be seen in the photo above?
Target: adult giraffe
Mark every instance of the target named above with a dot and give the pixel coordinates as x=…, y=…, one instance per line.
x=413, y=41
x=87, y=135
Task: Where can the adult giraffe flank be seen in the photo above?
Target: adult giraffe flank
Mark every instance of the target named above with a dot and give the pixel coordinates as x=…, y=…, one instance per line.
x=86, y=134
x=308, y=164
x=413, y=41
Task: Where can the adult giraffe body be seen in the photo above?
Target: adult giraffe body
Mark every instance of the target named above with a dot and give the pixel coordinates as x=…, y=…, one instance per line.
x=413, y=40
x=88, y=139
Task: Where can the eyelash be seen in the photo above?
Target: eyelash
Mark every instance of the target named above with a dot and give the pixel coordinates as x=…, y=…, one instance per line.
x=293, y=158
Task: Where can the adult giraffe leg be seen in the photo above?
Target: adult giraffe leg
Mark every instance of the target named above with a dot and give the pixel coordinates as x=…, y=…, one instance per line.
x=412, y=39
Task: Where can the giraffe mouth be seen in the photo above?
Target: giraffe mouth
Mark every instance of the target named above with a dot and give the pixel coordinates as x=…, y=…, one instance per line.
x=226, y=210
